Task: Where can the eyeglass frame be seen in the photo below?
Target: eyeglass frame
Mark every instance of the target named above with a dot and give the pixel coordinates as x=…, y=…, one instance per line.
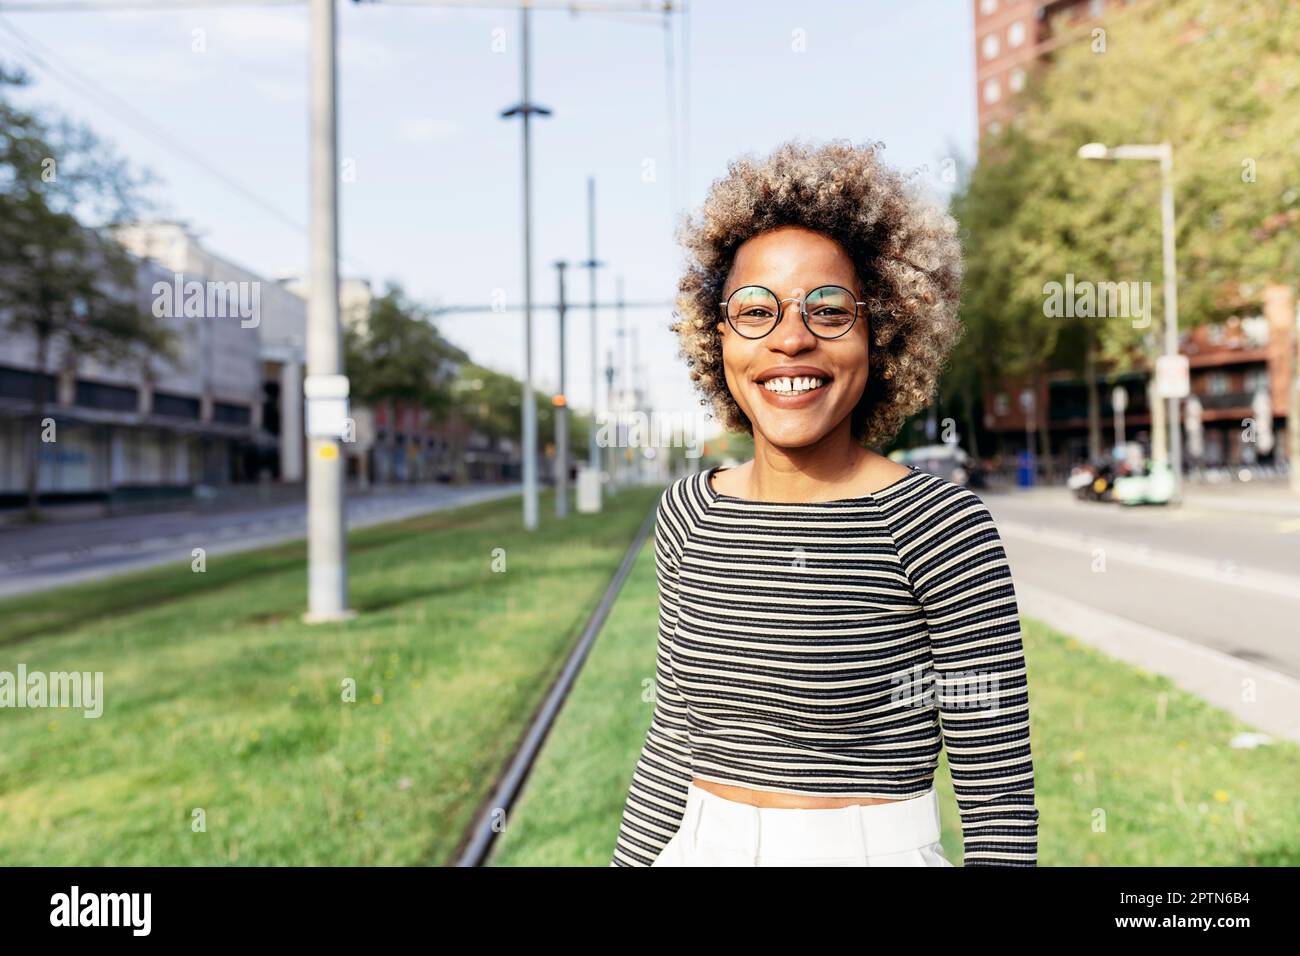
x=780, y=310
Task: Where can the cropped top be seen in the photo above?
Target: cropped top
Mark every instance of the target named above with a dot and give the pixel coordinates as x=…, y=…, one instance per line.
x=831, y=648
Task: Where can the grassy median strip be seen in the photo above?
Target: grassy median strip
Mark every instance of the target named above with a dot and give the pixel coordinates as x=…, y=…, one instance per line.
x=1129, y=770
x=226, y=736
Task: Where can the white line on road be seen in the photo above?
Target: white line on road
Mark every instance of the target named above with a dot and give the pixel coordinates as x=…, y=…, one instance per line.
x=1268, y=582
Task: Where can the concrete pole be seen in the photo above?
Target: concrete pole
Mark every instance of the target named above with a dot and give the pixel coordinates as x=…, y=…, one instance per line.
x=615, y=420
x=529, y=400
x=327, y=579
x=624, y=379
x=291, y=433
x=561, y=416
x=1293, y=406
x=1171, y=308
x=593, y=452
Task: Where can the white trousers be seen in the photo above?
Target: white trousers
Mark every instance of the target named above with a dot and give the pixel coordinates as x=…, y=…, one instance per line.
x=716, y=831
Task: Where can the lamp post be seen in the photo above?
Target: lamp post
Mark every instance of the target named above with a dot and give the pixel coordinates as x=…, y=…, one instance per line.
x=561, y=414
x=1162, y=153
x=525, y=109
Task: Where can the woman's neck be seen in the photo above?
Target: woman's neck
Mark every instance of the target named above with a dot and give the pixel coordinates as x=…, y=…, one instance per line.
x=813, y=473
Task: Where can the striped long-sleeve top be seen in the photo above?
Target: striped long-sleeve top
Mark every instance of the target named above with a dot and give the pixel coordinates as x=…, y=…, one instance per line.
x=831, y=648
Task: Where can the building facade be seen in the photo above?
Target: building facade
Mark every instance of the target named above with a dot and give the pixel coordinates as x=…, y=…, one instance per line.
x=1241, y=369
x=119, y=430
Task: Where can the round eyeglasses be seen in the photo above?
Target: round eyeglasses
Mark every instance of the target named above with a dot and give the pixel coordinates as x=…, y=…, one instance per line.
x=828, y=311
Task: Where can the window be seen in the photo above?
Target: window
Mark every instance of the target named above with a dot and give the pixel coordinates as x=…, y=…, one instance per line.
x=1017, y=80
x=175, y=406
x=990, y=46
x=20, y=383
x=988, y=7
x=115, y=398
x=1016, y=33
x=991, y=91
x=1256, y=379
x=228, y=414
x=1217, y=382
x=1256, y=329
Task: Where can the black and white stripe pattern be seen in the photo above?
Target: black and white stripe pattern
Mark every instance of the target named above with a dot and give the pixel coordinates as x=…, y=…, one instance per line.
x=830, y=649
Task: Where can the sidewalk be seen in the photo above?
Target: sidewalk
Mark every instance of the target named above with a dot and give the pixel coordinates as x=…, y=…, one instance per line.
x=1272, y=703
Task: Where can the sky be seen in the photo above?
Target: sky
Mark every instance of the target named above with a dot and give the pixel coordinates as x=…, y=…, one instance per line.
x=432, y=192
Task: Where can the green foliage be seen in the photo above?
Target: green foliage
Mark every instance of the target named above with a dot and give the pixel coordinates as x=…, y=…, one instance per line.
x=66, y=285
x=1220, y=83
x=398, y=355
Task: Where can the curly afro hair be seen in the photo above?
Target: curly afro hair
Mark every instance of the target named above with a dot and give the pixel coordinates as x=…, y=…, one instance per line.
x=905, y=251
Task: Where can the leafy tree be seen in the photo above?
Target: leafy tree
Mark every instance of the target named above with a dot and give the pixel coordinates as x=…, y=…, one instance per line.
x=398, y=356
x=67, y=286
x=1219, y=82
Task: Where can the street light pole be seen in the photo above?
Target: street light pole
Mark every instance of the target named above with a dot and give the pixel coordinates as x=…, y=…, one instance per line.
x=1171, y=306
x=525, y=109
x=591, y=265
x=325, y=387
x=1162, y=153
x=561, y=402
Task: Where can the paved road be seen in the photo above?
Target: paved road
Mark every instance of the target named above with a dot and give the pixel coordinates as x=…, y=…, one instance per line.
x=1206, y=596
x=45, y=556
x=1226, y=581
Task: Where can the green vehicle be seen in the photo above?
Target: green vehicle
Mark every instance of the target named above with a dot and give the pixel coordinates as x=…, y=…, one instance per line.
x=1154, y=487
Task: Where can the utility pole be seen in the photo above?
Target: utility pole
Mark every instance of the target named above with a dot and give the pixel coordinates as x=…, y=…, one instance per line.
x=618, y=425
x=1293, y=405
x=525, y=108
x=1166, y=158
x=620, y=398
x=325, y=387
x=591, y=265
x=561, y=402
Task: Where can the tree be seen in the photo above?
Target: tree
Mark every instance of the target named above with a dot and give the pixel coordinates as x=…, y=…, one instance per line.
x=1218, y=82
x=68, y=286
x=400, y=357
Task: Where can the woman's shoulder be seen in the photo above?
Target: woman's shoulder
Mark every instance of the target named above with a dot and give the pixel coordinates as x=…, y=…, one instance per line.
x=935, y=507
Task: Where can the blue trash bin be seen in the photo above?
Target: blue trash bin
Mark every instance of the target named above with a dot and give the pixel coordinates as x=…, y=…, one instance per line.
x=1025, y=469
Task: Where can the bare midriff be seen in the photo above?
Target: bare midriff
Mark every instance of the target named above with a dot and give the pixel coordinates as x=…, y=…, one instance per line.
x=773, y=798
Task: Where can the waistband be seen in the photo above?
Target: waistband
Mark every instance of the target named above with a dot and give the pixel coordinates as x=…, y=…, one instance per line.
x=872, y=829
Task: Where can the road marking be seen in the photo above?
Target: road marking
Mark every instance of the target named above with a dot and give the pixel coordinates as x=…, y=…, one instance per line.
x=1220, y=572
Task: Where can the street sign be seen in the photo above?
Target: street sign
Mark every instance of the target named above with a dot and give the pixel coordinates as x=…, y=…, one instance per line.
x=327, y=405
x=1172, y=376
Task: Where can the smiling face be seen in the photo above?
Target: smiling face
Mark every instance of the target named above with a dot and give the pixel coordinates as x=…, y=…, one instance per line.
x=791, y=261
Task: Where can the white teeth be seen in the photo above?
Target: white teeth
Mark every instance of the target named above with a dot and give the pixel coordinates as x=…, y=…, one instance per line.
x=801, y=383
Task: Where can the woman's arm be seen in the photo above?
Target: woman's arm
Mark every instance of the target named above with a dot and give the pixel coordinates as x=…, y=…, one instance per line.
x=959, y=572
x=656, y=800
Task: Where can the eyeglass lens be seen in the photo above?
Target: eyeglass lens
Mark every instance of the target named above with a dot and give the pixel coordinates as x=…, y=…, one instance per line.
x=753, y=311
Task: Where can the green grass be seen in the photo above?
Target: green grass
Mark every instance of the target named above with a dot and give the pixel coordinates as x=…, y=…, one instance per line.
x=1116, y=783
x=219, y=700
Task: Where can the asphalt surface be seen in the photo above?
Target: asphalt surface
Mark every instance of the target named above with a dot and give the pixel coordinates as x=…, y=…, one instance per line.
x=1220, y=579
x=33, y=558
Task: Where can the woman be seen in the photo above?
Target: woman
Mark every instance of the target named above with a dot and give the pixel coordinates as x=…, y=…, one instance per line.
x=828, y=618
